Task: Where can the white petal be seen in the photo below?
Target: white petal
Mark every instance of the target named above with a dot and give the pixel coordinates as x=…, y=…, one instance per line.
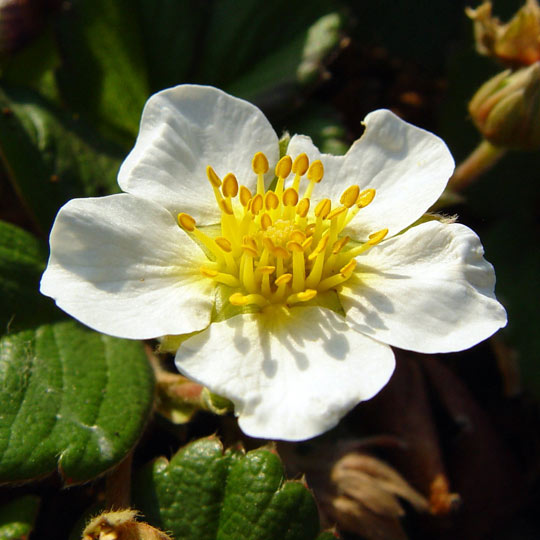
x=122, y=266
x=290, y=377
x=428, y=290
x=407, y=166
x=184, y=129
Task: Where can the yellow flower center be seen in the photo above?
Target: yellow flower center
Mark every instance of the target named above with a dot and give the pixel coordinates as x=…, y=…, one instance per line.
x=274, y=248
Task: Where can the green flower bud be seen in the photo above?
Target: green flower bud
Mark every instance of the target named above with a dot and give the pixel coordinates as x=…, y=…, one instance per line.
x=516, y=43
x=506, y=109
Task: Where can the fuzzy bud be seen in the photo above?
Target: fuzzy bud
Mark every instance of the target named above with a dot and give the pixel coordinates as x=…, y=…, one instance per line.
x=506, y=109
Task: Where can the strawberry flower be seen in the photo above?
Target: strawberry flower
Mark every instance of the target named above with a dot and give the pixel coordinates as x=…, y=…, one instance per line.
x=287, y=277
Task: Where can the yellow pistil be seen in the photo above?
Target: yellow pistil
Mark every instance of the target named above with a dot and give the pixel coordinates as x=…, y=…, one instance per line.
x=274, y=248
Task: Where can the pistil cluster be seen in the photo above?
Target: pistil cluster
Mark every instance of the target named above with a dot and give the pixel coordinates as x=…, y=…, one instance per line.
x=274, y=248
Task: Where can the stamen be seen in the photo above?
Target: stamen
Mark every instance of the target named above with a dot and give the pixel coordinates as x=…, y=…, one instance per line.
x=376, y=237
x=260, y=167
x=271, y=201
x=340, y=244
x=224, y=244
x=303, y=208
x=314, y=174
x=290, y=197
x=299, y=167
x=239, y=299
x=350, y=196
x=249, y=250
x=186, y=222
x=315, y=171
x=245, y=196
x=281, y=284
x=283, y=169
x=213, y=177
x=333, y=281
x=264, y=270
x=226, y=206
x=267, y=252
x=365, y=198
x=190, y=225
x=323, y=208
x=298, y=236
x=304, y=296
x=283, y=280
x=256, y=204
x=230, y=186
x=266, y=221
x=336, y=212
x=221, y=277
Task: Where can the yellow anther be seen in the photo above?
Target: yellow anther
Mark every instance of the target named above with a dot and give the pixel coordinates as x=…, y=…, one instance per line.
x=303, y=208
x=250, y=241
x=340, y=244
x=365, y=197
x=266, y=270
x=283, y=279
x=349, y=196
x=268, y=244
x=186, y=222
x=377, y=237
x=283, y=167
x=323, y=208
x=239, y=299
x=246, y=248
x=316, y=171
x=336, y=212
x=295, y=247
x=226, y=206
x=256, y=204
x=298, y=236
x=310, y=229
x=321, y=246
x=280, y=252
x=307, y=242
x=213, y=177
x=230, y=186
x=220, y=277
x=266, y=221
x=290, y=197
x=209, y=272
x=300, y=164
x=224, y=244
x=304, y=296
x=259, y=163
x=271, y=201
x=245, y=196
x=348, y=269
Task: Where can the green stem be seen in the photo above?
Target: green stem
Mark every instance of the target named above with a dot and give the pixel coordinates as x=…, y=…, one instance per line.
x=482, y=158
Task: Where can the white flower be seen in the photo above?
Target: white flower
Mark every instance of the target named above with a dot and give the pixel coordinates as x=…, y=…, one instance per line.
x=293, y=295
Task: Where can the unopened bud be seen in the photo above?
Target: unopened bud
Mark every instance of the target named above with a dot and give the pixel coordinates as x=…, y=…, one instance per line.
x=516, y=43
x=506, y=109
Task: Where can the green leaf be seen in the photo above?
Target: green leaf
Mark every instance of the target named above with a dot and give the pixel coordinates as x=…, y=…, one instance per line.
x=71, y=399
x=204, y=493
x=17, y=517
x=22, y=261
x=103, y=74
x=50, y=157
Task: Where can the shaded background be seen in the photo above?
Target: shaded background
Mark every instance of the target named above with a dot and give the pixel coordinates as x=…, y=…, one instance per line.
x=77, y=75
